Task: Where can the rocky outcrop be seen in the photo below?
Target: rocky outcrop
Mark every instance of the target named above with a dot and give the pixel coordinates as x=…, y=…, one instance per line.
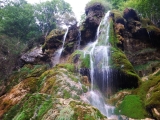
x=35, y=56
x=139, y=38
x=20, y=84
x=54, y=41
x=149, y=92
x=94, y=14
x=142, y=50
x=75, y=36
x=46, y=94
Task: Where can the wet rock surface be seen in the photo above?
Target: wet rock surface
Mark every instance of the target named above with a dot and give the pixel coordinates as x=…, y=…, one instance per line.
x=139, y=39
x=35, y=56
x=89, y=27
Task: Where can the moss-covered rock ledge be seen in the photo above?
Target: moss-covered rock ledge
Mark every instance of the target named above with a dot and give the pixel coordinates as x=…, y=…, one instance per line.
x=41, y=94
x=44, y=107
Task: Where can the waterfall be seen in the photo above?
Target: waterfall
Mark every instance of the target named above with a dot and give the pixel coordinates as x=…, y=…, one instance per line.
x=99, y=67
x=64, y=38
x=57, y=54
x=79, y=40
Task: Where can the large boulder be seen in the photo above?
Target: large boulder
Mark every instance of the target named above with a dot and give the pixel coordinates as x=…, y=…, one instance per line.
x=139, y=39
x=94, y=14
x=130, y=14
x=35, y=56
x=54, y=42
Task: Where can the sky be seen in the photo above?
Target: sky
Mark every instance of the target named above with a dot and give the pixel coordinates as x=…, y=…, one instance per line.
x=78, y=6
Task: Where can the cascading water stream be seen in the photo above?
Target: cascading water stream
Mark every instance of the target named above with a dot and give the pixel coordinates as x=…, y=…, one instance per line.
x=64, y=38
x=99, y=67
x=79, y=40
x=57, y=54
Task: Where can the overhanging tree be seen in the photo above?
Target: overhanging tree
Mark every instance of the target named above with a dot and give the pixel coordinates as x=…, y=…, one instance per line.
x=16, y=19
x=51, y=14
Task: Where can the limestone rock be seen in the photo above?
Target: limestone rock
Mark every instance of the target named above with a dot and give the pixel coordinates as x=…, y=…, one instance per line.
x=35, y=56
x=130, y=14
x=89, y=27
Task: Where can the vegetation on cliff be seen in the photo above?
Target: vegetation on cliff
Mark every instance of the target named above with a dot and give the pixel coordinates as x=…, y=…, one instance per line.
x=148, y=9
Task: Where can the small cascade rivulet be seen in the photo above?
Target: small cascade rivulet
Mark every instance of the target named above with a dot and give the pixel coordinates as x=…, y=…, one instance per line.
x=57, y=54
x=79, y=40
x=99, y=52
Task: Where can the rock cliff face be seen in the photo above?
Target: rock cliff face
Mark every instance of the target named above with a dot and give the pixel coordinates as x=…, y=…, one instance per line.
x=139, y=38
x=89, y=27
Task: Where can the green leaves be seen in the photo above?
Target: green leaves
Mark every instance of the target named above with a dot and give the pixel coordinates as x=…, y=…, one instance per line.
x=17, y=19
x=25, y=21
x=49, y=14
x=146, y=8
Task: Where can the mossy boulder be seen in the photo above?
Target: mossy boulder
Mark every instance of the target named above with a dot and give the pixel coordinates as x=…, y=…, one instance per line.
x=38, y=95
x=130, y=13
x=23, y=82
x=149, y=93
x=42, y=106
x=61, y=83
x=26, y=71
x=118, y=17
x=94, y=14
x=53, y=40
x=35, y=56
x=132, y=106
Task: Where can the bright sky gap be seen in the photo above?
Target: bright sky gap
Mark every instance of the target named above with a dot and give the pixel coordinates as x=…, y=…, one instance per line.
x=77, y=6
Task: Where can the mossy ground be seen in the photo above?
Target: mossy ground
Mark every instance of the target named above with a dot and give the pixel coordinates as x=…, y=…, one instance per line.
x=117, y=14
x=149, y=91
x=31, y=107
x=132, y=106
x=141, y=100
x=83, y=58
x=146, y=23
x=39, y=106
x=25, y=72
x=147, y=66
x=58, y=82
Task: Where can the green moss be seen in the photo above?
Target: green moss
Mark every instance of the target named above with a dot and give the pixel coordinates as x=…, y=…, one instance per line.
x=84, y=89
x=152, y=28
x=69, y=66
x=32, y=106
x=117, y=14
x=147, y=65
x=55, y=33
x=85, y=60
x=83, y=111
x=66, y=94
x=145, y=22
x=73, y=78
x=66, y=114
x=120, y=61
x=132, y=106
x=24, y=73
x=150, y=89
x=70, y=44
